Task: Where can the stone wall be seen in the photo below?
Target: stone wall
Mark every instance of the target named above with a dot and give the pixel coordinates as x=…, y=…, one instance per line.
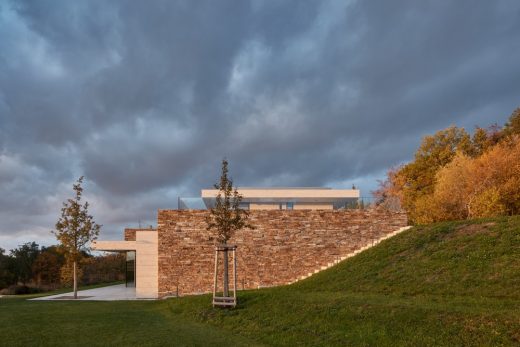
x=284, y=246
x=130, y=234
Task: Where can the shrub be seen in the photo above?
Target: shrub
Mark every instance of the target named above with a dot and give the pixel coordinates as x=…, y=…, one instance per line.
x=488, y=204
x=19, y=290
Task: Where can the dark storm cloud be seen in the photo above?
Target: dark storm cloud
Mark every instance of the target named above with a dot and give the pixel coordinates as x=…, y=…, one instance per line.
x=145, y=98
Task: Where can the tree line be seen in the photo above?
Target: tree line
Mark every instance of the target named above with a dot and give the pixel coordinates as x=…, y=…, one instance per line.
x=31, y=268
x=458, y=175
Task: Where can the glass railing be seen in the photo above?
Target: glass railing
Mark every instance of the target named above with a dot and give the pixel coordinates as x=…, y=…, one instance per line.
x=360, y=203
x=364, y=203
x=349, y=203
x=191, y=204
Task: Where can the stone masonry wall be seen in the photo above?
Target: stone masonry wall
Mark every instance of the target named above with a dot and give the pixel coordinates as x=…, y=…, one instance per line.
x=285, y=245
x=130, y=234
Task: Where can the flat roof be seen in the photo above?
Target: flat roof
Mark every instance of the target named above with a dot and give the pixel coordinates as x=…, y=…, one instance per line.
x=114, y=246
x=273, y=192
x=278, y=188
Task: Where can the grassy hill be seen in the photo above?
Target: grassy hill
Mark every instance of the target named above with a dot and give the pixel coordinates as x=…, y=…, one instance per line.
x=445, y=284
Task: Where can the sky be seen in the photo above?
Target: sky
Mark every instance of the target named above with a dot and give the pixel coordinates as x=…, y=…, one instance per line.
x=145, y=98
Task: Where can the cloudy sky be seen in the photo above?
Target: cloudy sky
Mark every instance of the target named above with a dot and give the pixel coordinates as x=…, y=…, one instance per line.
x=145, y=98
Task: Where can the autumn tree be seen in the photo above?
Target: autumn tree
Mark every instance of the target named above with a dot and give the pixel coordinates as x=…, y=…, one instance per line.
x=485, y=186
x=389, y=193
x=75, y=230
x=226, y=217
x=414, y=182
x=481, y=142
x=455, y=176
x=47, y=266
x=453, y=188
x=513, y=124
x=497, y=173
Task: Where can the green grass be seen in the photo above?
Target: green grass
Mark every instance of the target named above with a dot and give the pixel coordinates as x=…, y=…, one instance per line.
x=446, y=284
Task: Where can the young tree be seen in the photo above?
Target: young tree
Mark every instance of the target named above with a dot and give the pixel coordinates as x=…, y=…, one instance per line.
x=75, y=229
x=227, y=217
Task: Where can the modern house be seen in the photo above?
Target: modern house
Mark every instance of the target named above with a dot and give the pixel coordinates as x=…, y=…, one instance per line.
x=288, y=198
x=297, y=230
x=279, y=199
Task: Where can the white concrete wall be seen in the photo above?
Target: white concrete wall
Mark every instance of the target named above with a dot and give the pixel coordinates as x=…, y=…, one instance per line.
x=114, y=246
x=313, y=206
x=296, y=206
x=265, y=206
x=147, y=265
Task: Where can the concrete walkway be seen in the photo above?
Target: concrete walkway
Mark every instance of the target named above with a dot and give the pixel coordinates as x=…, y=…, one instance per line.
x=110, y=293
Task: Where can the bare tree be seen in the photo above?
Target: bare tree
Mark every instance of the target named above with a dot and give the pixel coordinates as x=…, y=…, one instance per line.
x=226, y=217
x=75, y=229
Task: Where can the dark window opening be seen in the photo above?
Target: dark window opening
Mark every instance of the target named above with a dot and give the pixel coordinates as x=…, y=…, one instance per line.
x=130, y=269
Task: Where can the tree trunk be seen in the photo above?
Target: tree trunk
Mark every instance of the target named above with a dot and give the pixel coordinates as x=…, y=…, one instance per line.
x=226, y=274
x=75, y=281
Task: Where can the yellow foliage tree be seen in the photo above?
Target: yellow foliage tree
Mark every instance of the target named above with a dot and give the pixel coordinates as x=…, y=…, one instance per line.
x=498, y=170
x=485, y=186
x=452, y=189
x=415, y=181
x=455, y=176
x=487, y=203
x=426, y=210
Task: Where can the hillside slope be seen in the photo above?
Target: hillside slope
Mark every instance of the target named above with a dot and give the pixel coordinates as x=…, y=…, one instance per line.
x=478, y=258
x=447, y=284
x=444, y=284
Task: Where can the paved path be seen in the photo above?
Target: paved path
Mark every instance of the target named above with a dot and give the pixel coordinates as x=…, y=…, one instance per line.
x=110, y=293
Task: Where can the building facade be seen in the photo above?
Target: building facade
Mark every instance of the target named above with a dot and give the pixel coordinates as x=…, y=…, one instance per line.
x=285, y=246
x=289, y=198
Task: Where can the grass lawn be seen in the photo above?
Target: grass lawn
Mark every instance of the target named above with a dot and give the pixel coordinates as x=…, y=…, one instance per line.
x=446, y=284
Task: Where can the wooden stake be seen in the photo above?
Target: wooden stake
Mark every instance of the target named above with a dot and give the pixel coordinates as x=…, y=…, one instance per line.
x=226, y=300
x=235, y=275
x=215, y=279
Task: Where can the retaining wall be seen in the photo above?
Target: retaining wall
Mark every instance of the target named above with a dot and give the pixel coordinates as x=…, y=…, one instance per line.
x=285, y=245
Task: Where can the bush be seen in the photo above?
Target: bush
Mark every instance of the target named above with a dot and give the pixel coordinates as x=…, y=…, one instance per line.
x=19, y=290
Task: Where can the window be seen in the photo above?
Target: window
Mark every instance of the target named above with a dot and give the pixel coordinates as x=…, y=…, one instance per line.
x=290, y=205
